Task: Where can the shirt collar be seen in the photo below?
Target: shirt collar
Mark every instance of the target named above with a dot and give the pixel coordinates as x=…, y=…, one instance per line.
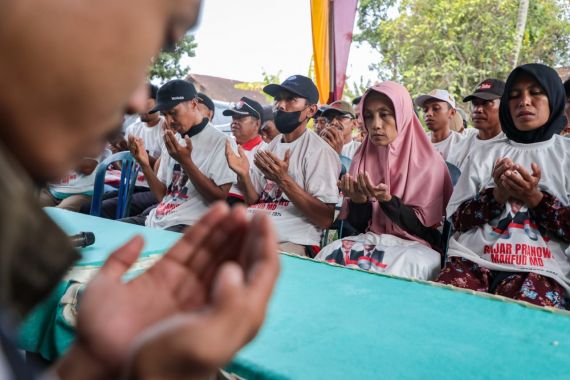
x=252, y=143
x=197, y=128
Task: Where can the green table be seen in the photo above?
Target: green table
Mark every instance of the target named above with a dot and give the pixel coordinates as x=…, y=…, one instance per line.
x=327, y=322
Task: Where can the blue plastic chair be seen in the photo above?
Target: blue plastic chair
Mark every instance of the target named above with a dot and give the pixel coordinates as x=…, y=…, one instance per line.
x=129, y=172
x=454, y=172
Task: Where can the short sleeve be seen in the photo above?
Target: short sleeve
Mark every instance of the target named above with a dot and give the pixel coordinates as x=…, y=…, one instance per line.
x=321, y=172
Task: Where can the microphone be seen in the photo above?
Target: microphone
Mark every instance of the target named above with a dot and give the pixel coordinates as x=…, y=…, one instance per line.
x=82, y=239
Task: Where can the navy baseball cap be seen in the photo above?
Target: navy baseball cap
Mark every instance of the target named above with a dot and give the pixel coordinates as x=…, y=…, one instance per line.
x=298, y=85
x=152, y=90
x=489, y=89
x=267, y=113
x=245, y=107
x=173, y=93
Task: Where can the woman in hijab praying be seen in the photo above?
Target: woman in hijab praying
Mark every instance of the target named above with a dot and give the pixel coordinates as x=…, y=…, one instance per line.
x=395, y=192
x=510, y=207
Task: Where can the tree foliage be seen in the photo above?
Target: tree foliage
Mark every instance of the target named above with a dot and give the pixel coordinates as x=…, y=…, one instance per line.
x=258, y=86
x=168, y=65
x=456, y=44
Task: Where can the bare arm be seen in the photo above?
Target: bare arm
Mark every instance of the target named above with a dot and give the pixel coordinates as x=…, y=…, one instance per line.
x=138, y=151
x=240, y=165
x=276, y=170
x=87, y=166
x=183, y=155
x=319, y=213
x=203, y=184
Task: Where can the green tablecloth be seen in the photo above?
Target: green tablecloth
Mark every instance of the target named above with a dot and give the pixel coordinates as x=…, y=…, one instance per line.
x=328, y=322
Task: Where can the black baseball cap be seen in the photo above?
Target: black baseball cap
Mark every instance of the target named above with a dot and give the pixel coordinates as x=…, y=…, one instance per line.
x=489, y=89
x=320, y=111
x=267, y=113
x=173, y=93
x=298, y=85
x=152, y=90
x=205, y=100
x=245, y=107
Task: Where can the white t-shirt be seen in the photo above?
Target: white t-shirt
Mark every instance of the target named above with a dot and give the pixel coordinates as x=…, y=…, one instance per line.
x=183, y=204
x=349, y=149
x=75, y=183
x=512, y=242
x=315, y=167
x=470, y=131
x=471, y=142
x=447, y=146
x=249, y=153
x=152, y=136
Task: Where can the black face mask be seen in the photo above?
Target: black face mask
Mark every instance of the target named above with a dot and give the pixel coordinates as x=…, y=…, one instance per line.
x=287, y=122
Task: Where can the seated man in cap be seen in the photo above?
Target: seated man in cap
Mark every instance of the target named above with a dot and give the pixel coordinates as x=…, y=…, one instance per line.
x=485, y=102
x=246, y=121
x=268, y=131
x=360, y=129
x=193, y=172
x=206, y=106
x=342, y=121
x=73, y=191
x=320, y=121
x=439, y=110
x=150, y=129
x=295, y=179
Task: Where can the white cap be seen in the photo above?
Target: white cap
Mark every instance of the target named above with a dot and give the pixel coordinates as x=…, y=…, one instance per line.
x=440, y=95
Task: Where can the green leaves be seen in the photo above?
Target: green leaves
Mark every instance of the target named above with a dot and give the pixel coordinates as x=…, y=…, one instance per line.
x=168, y=65
x=455, y=44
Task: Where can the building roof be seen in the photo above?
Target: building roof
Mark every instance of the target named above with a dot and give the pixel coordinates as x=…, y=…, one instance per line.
x=223, y=89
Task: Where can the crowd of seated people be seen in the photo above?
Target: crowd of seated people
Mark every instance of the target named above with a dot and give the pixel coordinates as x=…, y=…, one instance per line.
x=372, y=171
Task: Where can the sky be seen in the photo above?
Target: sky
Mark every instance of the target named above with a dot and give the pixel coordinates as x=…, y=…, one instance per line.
x=241, y=39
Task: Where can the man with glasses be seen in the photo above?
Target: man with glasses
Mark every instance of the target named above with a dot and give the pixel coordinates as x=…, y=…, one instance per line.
x=246, y=121
x=193, y=172
x=342, y=121
x=294, y=179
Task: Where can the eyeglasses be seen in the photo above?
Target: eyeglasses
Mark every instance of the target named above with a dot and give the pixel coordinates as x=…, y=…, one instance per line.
x=330, y=119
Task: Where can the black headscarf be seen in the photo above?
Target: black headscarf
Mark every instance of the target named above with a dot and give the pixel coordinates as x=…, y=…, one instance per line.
x=552, y=86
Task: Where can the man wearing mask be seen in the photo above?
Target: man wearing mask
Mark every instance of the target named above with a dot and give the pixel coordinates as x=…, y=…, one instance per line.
x=193, y=172
x=439, y=111
x=485, y=102
x=246, y=121
x=171, y=321
x=294, y=179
